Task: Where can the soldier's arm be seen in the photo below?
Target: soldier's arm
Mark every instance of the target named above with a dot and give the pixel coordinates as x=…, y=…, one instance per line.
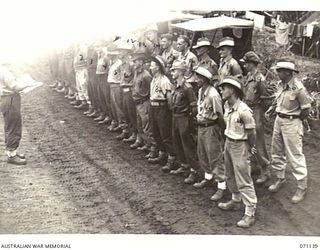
x=192, y=101
x=305, y=103
x=246, y=117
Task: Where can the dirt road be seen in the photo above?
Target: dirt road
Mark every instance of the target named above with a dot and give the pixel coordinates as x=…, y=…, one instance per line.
x=80, y=179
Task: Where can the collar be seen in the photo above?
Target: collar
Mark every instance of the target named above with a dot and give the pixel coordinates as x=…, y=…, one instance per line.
x=227, y=59
x=289, y=85
x=186, y=53
x=234, y=107
x=180, y=83
x=167, y=50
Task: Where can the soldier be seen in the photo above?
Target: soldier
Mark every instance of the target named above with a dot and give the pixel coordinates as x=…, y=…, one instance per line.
x=114, y=79
x=81, y=74
x=151, y=42
x=69, y=80
x=183, y=104
x=102, y=84
x=94, y=109
x=160, y=114
x=210, y=133
x=141, y=96
x=240, y=136
x=183, y=46
x=167, y=50
x=202, y=49
x=254, y=91
x=292, y=106
x=228, y=65
x=10, y=106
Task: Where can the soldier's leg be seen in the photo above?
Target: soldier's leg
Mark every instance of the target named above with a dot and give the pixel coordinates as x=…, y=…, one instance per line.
x=278, y=158
x=292, y=137
x=242, y=171
x=12, y=122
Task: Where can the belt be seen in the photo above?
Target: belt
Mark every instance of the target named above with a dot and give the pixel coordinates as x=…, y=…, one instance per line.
x=140, y=101
x=158, y=103
x=235, y=140
x=208, y=124
x=288, y=116
x=126, y=89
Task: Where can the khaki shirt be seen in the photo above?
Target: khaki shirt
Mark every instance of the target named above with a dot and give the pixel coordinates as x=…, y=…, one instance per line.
x=126, y=72
x=238, y=118
x=141, y=85
x=291, y=98
x=183, y=98
x=228, y=67
x=160, y=86
x=102, y=63
x=209, y=105
x=8, y=83
x=254, y=87
x=81, y=58
x=191, y=61
x=205, y=60
x=168, y=57
x=114, y=75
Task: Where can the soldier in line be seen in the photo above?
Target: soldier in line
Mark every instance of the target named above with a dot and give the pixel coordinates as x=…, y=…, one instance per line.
x=292, y=106
x=81, y=75
x=167, y=50
x=160, y=114
x=210, y=133
x=183, y=104
x=228, y=65
x=240, y=140
x=141, y=96
x=255, y=90
x=191, y=60
x=102, y=84
x=114, y=79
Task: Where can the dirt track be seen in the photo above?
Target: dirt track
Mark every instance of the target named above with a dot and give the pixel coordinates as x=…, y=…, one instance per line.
x=79, y=179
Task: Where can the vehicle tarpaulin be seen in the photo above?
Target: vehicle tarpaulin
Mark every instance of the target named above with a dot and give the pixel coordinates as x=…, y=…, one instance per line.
x=205, y=24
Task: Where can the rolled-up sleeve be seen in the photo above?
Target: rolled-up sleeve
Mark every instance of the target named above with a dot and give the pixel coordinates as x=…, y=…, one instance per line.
x=247, y=119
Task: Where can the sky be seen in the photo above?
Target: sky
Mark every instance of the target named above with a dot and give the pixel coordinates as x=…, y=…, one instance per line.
x=30, y=27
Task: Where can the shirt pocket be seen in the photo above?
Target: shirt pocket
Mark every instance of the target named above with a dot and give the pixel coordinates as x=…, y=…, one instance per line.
x=237, y=124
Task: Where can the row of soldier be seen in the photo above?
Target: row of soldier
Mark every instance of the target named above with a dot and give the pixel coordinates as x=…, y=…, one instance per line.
x=193, y=117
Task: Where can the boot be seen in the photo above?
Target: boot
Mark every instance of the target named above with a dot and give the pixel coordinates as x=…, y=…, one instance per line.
x=94, y=113
x=116, y=129
x=81, y=105
x=171, y=164
x=218, y=195
x=179, y=171
x=61, y=90
x=131, y=139
x=264, y=177
x=112, y=126
x=75, y=102
x=152, y=154
x=246, y=221
x=162, y=158
x=138, y=143
x=53, y=85
x=99, y=118
x=123, y=135
x=90, y=110
x=299, y=195
x=202, y=183
x=144, y=148
x=277, y=185
x=192, y=178
x=230, y=205
x=106, y=120
x=16, y=160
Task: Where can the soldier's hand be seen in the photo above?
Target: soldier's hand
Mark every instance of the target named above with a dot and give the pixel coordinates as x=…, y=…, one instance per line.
x=253, y=150
x=267, y=116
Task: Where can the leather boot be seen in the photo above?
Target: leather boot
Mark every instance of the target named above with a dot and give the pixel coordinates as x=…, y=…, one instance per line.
x=81, y=105
x=230, y=205
x=192, y=178
x=16, y=160
x=123, y=135
x=171, y=164
x=106, y=120
x=131, y=139
x=299, y=195
x=162, y=158
x=246, y=221
x=277, y=185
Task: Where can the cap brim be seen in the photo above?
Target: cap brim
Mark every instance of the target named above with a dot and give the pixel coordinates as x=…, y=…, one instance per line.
x=199, y=46
x=275, y=67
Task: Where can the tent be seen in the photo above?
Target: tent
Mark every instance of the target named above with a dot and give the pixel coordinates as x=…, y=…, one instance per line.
x=230, y=26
